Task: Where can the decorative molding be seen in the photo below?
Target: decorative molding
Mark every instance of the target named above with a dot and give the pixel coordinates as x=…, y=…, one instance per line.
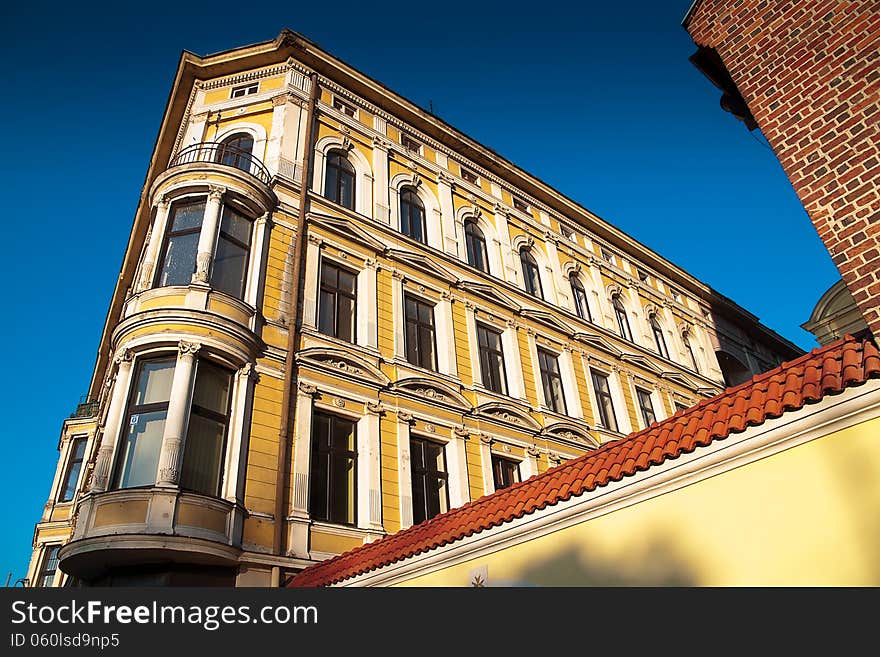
x=307, y=389
x=189, y=349
x=403, y=416
x=374, y=407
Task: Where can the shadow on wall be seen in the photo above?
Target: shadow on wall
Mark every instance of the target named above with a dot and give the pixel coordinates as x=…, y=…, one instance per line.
x=656, y=564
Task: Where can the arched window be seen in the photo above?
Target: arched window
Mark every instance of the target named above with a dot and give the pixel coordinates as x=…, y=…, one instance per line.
x=579, y=294
x=622, y=321
x=477, y=256
x=339, y=180
x=687, y=345
x=531, y=277
x=658, y=337
x=412, y=214
x=237, y=151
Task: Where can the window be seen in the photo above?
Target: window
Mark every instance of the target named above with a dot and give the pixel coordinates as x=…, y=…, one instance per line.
x=244, y=90
x=337, y=302
x=74, y=466
x=687, y=345
x=622, y=321
x=676, y=295
x=232, y=252
x=412, y=214
x=579, y=294
x=339, y=180
x=470, y=176
x=344, y=107
x=237, y=151
x=519, y=204
x=568, y=233
x=430, y=492
x=50, y=564
x=646, y=406
x=680, y=406
x=332, y=475
x=491, y=359
x=551, y=381
x=409, y=143
x=505, y=472
x=643, y=275
x=206, y=434
x=477, y=256
x=419, y=332
x=178, y=263
x=144, y=424
x=607, y=256
x=658, y=337
x=531, y=277
x=606, y=418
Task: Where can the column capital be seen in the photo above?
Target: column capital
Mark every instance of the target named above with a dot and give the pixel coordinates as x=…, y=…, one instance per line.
x=397, y=275
x=163, y=202
x=485, y=439
x=307, y=389
x=314, y=239
x=216, y=192
x=532, y=450
x=461, y=432
x=123, y=356
x=403, y=416
x=188, y=349
x=264, y=219
x=374, y=408
x=382, y=144
x=500, y=209
x=444, y=178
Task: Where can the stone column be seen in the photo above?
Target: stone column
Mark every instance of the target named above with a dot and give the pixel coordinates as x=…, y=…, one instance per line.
x=486, y=462
x=208, y=235
x=369, y=495
x=112, y=428
x=550, y=242
x=273, y=147
x=473, y=348
x=529, y=466
x=154, y=240
x=446, y=356
x=368, y=305
x=569, y=383
x=311, y=282
x=397, y=314
x=302, y=458
x=380, y=179
x=456, y=451
x=404, y=469
x=259, y=248
x=447, y=215
x=509, y=259
x=513, y=361
x=171, y=452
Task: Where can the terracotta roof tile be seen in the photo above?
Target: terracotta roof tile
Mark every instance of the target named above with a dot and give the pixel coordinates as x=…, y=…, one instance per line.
x=824, y=371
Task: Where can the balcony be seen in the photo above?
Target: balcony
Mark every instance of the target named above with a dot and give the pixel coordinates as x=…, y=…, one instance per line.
x=85, y=408
x=224, y=155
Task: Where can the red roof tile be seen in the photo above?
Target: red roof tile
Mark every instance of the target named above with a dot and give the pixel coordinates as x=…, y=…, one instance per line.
x=824, y=371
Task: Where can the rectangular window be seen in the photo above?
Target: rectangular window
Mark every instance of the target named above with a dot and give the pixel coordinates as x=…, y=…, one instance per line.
x=491, y=359
x=74, y=466
x=568, y=233
x=178, y=263
x=141, y=436
x=551, y=381
x=430, y=490
x=607, y=256
x=680, y=407
x=519, y=204
x=206, y=434
x=470, y=176
x=505, y=472
x=337, y=302
x=607, y=419
x=419, y=333
x=646, y=406
x=244, y=90
x=409, y=143
x=344, y=107
x=332, y=478
x=50, y=565
x=231, y=256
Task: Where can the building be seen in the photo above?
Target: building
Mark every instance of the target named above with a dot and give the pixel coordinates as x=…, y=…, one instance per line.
x=337, y=317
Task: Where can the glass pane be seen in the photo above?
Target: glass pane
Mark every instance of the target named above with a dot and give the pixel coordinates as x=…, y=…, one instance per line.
x=203, y=454
x=418, y=494
x=320, y=431
x=342, y=495
x=411, y=310
x=154, y=382
x=426, y=314
x=318, y=478
x=345, y=321
x=417, y=455
x=180, y=260
x=434, y=456
x=346, y=190
x=77, y=452
x=330, y=183
x=347, y=281
x=212, y=388
x=329, y=275
x=236, y=225
x=343, y=435
x=442, y=496
x=426, y=348
x=230, y=264
x=188, y=215
x=412, y=343
x=142, y=441
x=327, y=313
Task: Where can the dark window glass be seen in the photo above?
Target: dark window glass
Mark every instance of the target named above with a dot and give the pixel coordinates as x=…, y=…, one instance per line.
x=419, y=333
x=680, y=407
x=580, y=298
x=430, y=491
x=332, y=479
x=50, y=565
x=690, y=350
x=505, y=472
x=646, y=406
x=412, y=215
x=337, y=302
x=236, y=151
x=622, y=321
x=206, y=435
x=178, y=262
x=477, y=255
x=138, y=458
x=658, y=337
x=491, y=359
x=551, y=381
x=74, y=465
x=231, y=256
x=531, y=277
x=339, y=181
x=603, y=397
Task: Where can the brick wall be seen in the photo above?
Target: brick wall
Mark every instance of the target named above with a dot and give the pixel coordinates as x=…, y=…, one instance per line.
x=809, y=71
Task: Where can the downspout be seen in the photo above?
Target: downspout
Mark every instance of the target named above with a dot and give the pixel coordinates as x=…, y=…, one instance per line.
x=288, y=406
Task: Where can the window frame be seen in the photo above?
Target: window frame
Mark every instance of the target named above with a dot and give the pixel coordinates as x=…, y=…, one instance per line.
x=500, y=460
x=50, y=555
x=246, y=89
x=645, y=403
x=473, y=233
x=404, y=200
x=531, y=273
x=576, y=286
x=169, y=234
x=623, y=326
x=690, y=349
x=548, y=375
x=432, y=327
x=352, y=454
x=602, y=391
x=222, y=235
x=65, y=482
x=659, y=340
x=486, y=350
x=336, y=292
x=329, y=162
x=426, y=473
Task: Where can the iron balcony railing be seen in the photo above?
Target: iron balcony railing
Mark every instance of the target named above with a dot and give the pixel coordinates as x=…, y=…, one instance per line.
x=85, y=408
x=219, y=153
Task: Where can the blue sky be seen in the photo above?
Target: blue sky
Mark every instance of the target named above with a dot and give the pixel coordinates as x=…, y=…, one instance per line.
x=636, y=135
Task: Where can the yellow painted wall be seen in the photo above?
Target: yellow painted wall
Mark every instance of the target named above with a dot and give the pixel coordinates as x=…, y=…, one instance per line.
x=805, y=516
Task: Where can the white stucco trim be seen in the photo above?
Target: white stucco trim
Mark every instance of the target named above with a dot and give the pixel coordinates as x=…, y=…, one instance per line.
x=363, y=184
x=433, y=214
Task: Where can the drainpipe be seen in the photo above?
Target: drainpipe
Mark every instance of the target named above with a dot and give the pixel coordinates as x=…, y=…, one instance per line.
x=288, y=407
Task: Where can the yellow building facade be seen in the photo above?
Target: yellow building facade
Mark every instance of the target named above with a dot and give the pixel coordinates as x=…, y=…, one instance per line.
x=338, y=316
